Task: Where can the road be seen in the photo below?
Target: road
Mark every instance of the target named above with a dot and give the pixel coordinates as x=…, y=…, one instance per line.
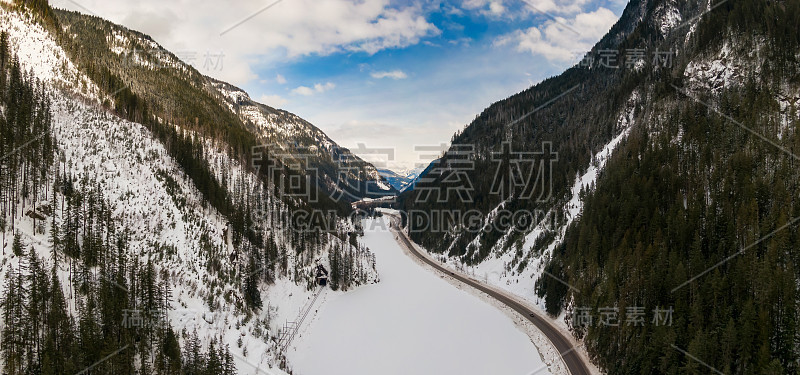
x=563, y=345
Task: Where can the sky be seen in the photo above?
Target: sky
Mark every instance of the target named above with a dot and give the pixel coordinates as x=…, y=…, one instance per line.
x=372, y=73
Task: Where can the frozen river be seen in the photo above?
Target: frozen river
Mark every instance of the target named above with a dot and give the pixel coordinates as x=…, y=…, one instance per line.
x=412, y=322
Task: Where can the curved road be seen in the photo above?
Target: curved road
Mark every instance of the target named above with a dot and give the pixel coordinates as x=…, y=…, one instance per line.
x=563, y=345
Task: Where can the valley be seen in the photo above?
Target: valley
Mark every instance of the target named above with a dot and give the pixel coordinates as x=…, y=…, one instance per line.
x=622, y=199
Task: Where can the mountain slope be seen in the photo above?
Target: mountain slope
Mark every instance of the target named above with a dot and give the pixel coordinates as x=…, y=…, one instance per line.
x=134, y=241
x=141, y=79
x=342, y=174
x=674, y=188
x=563, y=122
x=702, y=197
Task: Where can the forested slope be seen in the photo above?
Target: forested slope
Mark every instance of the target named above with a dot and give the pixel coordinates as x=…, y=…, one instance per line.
x=137, y=243
x=698, y=210
x=674, y=187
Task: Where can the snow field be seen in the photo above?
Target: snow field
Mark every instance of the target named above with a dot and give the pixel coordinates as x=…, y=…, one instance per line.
x=412, y=322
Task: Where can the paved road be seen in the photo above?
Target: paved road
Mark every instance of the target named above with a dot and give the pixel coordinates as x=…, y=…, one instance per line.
x=563, y=345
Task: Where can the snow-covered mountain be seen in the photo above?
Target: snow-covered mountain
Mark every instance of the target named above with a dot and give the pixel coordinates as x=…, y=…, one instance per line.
x=129, y=63
x=133, y=185
x=572, y=153
x=298, y=136
x=402, y=179
x=639, y=177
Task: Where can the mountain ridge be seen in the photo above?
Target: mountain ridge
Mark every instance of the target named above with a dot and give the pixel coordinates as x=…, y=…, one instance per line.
x=177, y=92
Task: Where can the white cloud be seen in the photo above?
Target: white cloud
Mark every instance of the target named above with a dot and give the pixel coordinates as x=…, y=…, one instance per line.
x=486, y=7
x=516, y=8
x=550, y=7
x=280, y=79
x=496, y=7
x=394, y=74
x=322, y=88
x=318, y=88
x=303, y=90
x=562, y=39
x=286, y=30
x=463, y=42
x=273, y=100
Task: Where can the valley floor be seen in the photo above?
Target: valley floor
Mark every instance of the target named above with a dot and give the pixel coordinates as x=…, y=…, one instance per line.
x=412, y=322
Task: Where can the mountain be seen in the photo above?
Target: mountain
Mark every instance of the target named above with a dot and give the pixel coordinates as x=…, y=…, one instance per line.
x=402, y=179
x=667, y=183
x=147, y=80
x=393, y=178
x=299, y=137
x=144, y=228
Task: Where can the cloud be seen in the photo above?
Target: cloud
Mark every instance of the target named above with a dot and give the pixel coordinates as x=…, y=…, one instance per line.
x=303, y=90
x=158, y=24
x=318, y=88
x=496, y=7
x=365, y=131
x=463, y=42
x=251, y=35
x=280, y=79
x=549, y=7
x=517, y=9
x=322, y=88
x=273, y=100
x=394, y=74
x=562, y=39
x=304, y=27
x=486, y=7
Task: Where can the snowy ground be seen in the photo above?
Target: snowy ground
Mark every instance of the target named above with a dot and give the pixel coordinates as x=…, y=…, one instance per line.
x=412, y=322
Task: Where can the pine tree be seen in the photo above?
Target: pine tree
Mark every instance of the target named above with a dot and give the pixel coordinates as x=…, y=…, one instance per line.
x=13, y=342
x=171, y=352
x=228, y=367
x=214, y=364
x=39, y=296
x=17, y=244
x=55, y=239
x=333, y=259
x=193, y=361
x=252, y=295
x=60, y=329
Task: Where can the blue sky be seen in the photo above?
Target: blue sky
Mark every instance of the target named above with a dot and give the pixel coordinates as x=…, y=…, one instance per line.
x=379, y=72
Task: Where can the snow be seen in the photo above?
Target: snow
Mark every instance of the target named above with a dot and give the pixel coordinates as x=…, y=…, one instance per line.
x=496, y=270
x=412, y=322
x=40, y=54
x=729, y=65
x=383, y=185
x=89, y=136
x=270, y=123
x=284, y=129
x=123, y=157
x=788, y=104
x=712, y=74
x=401, y=178
x=667, y=17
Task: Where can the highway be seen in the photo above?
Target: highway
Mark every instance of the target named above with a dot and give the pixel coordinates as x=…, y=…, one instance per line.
x=574, y=362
